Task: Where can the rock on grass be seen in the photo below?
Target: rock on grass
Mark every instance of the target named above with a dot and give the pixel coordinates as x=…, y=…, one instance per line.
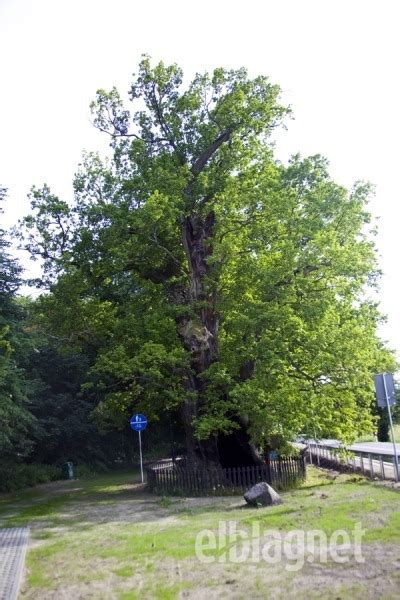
x=262, y=494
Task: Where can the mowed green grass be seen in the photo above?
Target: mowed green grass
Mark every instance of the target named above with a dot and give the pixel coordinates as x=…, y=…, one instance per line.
x=108, y=538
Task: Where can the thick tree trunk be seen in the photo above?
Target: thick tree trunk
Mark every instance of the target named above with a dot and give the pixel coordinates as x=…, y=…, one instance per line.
x=235, y=450
x=199, y=333
x=198, y=329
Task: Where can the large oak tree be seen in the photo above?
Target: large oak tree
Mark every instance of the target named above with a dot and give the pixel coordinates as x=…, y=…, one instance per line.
x=223, y=284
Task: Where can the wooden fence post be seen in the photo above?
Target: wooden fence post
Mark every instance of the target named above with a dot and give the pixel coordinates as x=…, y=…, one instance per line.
x=192, y=479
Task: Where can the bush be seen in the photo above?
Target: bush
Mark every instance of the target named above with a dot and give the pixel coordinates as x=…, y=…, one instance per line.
x=85, y=472
x=15, y=476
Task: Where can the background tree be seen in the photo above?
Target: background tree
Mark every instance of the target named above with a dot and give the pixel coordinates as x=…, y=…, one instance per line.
x=45, y=418
x=15, y=418
x=222, y=283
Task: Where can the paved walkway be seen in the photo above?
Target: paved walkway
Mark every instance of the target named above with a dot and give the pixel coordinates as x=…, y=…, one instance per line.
x=13, y=543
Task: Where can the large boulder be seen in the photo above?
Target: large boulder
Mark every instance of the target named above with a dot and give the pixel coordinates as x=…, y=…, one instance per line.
x=263, y=494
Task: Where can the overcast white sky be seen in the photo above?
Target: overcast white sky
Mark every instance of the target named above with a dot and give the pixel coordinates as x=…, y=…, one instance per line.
x=337, y=62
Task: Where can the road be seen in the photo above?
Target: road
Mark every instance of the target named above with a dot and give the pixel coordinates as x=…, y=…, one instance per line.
x=384, y=448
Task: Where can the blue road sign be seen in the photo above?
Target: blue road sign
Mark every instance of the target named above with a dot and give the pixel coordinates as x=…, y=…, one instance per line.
x=138, y=422
x=385, y=390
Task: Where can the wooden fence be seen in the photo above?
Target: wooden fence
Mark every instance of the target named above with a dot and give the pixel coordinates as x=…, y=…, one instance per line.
x=180, y=477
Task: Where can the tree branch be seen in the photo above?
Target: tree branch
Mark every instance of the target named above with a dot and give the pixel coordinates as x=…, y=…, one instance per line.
x=201, y=162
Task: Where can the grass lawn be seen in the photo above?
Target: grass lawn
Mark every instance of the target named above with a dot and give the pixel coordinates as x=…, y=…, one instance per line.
x=108, y=538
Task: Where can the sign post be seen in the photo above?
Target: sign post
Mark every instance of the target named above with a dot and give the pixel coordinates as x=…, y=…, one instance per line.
x=139, y=423
x=386, y=397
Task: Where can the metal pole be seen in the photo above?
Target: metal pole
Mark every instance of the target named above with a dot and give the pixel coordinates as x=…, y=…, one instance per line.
x=316, y=446
x=141, y=458
x=396, y=463
x=382, y=467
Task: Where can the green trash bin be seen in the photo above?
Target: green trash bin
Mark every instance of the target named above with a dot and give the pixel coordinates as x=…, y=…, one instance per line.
x=69, y=470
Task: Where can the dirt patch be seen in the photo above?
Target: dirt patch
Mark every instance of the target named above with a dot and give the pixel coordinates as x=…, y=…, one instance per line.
x=376, y=577
x=190, y=579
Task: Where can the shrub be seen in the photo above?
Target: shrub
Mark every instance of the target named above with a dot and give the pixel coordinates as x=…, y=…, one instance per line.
x=85, y=472
x=14, y=476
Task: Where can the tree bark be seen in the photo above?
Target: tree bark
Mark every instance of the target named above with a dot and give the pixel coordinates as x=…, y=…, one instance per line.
x=199, y=333
x=198, y=329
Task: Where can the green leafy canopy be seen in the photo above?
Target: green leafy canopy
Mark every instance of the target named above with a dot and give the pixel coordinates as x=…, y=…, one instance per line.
x=201, y=271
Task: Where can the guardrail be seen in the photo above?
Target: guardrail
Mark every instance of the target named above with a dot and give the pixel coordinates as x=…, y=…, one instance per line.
x=371, y=464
